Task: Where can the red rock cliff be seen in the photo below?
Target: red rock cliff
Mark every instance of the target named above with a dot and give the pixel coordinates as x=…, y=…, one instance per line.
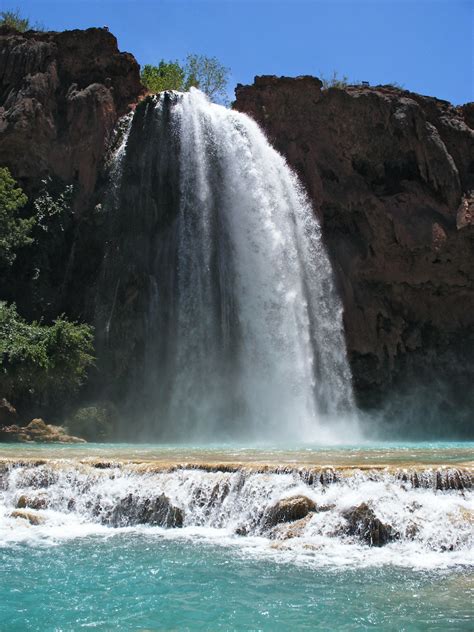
x=60, y=97
x=390, y=175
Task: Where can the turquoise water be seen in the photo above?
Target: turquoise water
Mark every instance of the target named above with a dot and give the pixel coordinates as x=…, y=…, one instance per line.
x=139, y=582
x=370, y=453
x=71, y=570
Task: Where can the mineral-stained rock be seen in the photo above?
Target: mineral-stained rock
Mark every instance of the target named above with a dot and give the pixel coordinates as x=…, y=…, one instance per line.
x=390, y=175
x=294, y=529
x=363, y=522
x=27, y=515
x=157, y=511
x=288, y=509
x=39, y=432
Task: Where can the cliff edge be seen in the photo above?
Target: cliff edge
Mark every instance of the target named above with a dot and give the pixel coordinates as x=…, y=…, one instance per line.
x=391, y=175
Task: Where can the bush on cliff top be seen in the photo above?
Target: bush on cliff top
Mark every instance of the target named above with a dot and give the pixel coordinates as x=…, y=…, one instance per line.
x=40, y=363
x=199, y=71
x=15, y=20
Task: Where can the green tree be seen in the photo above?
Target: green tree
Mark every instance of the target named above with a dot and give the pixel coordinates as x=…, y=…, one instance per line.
x=14, y=231
x=42, y=363
x=199, y=71
x=166, y=76
x=207, y=74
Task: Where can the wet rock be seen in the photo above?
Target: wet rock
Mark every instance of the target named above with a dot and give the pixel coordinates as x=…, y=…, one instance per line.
x=288, y=510
x=158, y=511
x=294, y=529
x=242, y=530
x=363, y=522
x=32, y=502
x=27, y=515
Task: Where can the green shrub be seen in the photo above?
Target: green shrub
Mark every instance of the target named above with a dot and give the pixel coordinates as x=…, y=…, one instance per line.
x=166, y=76
x=14, y=230
x=15, y=20
x=94, y=423
x=42, y=363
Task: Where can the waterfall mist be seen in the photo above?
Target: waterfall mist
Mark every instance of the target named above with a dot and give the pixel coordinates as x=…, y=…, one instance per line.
x=217, y=306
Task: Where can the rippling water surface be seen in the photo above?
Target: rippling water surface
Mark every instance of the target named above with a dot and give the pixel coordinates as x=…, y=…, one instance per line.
x=67, y=563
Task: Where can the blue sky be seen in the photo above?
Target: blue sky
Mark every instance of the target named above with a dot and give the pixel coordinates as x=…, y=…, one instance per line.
x=425, y=45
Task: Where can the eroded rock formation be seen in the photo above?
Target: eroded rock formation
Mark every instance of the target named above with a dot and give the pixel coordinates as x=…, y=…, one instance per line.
x=391, y=176
x=60, y=97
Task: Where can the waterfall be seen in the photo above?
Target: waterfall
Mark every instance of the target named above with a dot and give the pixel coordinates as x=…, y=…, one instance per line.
x=225, y=322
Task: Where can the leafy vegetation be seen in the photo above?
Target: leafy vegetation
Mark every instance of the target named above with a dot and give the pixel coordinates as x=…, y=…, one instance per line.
x=15, y=20
x=40, y=362
x=14, y=230
x=334, y=81
x=166, y=76
x=199, y=71
x=93, y=423
x=207, y=74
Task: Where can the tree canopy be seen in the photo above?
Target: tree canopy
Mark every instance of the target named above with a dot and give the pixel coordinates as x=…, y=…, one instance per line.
x=42, y=362
x=199, y=71
x=14, y=230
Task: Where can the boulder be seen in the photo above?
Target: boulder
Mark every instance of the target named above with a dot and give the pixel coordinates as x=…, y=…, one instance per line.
x=362, y=522
x=32, y=518
x=288, y=510
x=157, y=511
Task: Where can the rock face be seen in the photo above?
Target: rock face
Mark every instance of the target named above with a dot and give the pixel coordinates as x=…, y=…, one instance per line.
x=390, y=174
x=60, y=97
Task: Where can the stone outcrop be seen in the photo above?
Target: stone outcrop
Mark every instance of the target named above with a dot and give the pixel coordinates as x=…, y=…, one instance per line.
x=37, y=431
x=133, y=510
x=362, y=522
x=60, y=97
x=288, y=510
x=391, y=177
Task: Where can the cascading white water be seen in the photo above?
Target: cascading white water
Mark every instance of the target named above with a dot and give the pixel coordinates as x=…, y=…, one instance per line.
x=427, y=513
x=246, y=226
x=244, y=334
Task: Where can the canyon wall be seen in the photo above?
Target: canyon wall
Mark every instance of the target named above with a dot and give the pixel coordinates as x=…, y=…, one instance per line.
x=60, y=97
x=391, y=177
